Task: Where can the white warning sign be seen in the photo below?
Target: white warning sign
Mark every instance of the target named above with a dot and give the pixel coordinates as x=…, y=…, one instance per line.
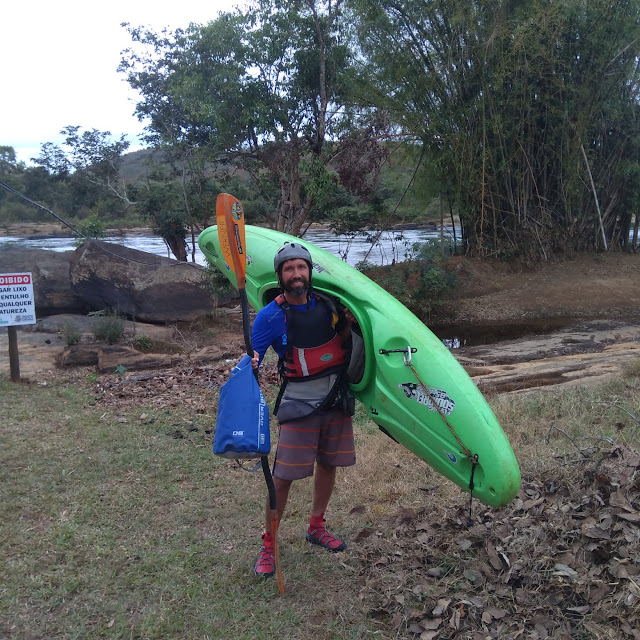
x=17, y=305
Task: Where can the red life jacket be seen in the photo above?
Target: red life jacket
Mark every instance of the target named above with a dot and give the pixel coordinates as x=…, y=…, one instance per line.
x=314, y=349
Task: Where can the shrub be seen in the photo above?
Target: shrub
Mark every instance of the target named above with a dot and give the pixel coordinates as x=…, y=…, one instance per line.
x=216, y=283
x=422, y=284
x=71, y=333
x=109, y=328
x=143, y=343
x=90, y=227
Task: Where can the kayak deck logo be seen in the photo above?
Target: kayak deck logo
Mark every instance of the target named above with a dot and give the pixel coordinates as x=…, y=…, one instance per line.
x=439, y=396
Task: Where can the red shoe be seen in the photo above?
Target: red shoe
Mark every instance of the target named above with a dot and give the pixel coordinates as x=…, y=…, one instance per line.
x=319, y=535
x=265, y=565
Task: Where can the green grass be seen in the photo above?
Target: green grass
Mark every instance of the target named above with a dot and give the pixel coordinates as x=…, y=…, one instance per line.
x=116, y=529
x=112, y=528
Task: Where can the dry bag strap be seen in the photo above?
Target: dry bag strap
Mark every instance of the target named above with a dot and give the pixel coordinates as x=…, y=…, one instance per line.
x=283, y=386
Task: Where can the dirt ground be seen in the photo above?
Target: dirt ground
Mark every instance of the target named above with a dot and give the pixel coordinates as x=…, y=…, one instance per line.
x=590, y=286
x=579, y=322
x=580, y=318
x=561, y=560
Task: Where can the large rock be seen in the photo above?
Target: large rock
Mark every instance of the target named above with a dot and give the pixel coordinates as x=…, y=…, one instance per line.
x=101, y=275
x=51, y=271
x=138, y=284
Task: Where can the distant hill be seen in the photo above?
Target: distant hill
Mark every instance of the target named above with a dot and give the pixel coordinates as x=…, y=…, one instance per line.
x=134, y=165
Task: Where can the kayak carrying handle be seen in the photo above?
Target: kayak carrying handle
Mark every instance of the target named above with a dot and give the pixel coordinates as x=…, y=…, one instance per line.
x=407, y=352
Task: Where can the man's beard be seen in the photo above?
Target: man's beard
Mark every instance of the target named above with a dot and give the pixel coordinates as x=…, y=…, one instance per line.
x=297, y=288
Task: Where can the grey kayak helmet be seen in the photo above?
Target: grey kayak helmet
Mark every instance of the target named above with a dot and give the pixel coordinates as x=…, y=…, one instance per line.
x=291, y=251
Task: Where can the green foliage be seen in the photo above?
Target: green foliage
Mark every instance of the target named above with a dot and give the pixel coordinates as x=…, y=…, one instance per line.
x=12, y=211
x=365, y=266
x=349, y=220
x=88, y=164
x=143, y=342
x=422, y=283
x=264, y=89
x=507, y=99
x=92, y=228
x=71, y=333
x=374, y=108
x=216, y=284
x=75, y=179
x=108, y=327
x=8, y=161
x=161, y=203
x=434, y=285
x=319, y=181
x=91, y=151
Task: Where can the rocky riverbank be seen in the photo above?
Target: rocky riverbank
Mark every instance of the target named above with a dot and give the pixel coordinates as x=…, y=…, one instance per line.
x=582, y=317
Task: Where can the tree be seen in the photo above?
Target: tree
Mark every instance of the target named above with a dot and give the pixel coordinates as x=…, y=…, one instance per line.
x=8, y=161
x=519, y=104
x=267, y=90
x=161, y=202
x=90, y=157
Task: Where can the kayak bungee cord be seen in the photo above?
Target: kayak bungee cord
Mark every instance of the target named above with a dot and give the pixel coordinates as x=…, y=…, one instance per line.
x=13, y=191
x=473, y=458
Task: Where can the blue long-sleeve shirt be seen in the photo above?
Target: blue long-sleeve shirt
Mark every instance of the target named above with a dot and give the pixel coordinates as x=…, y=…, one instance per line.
x=269, y=328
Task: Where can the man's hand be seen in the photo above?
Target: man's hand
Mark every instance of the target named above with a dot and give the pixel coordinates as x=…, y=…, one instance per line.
x=255, y=360
x=349, y=319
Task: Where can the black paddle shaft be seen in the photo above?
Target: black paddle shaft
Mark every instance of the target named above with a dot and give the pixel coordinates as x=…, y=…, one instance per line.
x=246, y=327
x=264, y=460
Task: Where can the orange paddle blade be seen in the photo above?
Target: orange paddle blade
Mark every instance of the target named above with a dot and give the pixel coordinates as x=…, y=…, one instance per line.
x=230, y=221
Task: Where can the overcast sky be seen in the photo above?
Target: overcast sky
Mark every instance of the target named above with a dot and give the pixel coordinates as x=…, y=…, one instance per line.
x=59, y=62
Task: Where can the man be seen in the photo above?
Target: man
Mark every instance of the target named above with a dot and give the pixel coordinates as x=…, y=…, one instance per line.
x=314, y=407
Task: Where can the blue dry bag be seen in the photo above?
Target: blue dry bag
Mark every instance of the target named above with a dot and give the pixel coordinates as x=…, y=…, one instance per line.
x=242, y=425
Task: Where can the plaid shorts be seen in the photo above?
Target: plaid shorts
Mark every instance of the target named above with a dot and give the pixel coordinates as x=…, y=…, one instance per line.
x=325, y=437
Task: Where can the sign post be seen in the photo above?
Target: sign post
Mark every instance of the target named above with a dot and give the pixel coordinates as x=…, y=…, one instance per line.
x=17, y=307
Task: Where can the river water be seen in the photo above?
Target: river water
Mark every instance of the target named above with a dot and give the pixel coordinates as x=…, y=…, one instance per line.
x=393, y=246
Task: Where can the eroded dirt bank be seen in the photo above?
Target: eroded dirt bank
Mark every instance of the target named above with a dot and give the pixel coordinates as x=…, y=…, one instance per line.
x=586, y=286
x=590, y=304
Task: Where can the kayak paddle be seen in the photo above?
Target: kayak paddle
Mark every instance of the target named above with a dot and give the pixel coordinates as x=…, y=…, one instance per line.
x=230, y=221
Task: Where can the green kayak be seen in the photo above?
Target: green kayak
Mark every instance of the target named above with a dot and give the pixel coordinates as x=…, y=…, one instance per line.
x=411, y=386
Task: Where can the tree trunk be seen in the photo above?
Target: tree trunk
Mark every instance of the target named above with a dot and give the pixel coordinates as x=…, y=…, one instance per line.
x=175, y=241
x=283, y=161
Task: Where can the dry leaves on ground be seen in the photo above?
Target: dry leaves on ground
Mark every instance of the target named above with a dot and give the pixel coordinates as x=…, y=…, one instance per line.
x=561, y=561
x=195, y=388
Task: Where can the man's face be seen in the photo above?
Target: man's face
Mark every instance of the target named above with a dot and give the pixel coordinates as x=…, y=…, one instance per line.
x=295, y=277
